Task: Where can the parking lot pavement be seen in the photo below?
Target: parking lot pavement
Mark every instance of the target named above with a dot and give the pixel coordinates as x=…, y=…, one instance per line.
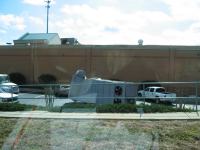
x=39, y=99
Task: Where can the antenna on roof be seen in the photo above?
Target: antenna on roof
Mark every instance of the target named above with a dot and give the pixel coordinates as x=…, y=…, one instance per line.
x=140, y=41
x=48, y=6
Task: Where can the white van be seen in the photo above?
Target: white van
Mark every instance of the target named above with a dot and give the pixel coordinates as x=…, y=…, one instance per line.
x=7, y=86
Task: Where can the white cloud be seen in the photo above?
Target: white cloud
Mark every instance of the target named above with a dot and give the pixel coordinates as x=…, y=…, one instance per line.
x=175, y=37
x=190, y=36
x=2, y=31
x=195, y=27
x=37, y=21
x=116, y=22
x=181, y=25
x=37, y=2
x=12, y=21
x=90, y=24
x=184, y=9
x=1, y=42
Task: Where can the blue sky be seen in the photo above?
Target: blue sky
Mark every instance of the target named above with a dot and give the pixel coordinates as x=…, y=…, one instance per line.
x=157, y=22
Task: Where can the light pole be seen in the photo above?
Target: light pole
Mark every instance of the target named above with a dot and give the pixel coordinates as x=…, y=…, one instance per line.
x=48, y=6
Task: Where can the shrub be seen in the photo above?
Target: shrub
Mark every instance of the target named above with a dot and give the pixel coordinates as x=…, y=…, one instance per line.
x=17, y=78
x=116, y=108
x=79, y=105
x=130, y=108
x=14, y=107
x=47, y=79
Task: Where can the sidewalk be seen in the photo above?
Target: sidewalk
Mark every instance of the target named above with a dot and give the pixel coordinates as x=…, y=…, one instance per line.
x=120, y=116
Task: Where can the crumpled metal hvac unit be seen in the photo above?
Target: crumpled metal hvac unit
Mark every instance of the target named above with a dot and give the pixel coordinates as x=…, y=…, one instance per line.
x=101, y=91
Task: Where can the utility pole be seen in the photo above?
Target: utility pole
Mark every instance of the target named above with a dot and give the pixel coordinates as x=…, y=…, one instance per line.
x=48, y=6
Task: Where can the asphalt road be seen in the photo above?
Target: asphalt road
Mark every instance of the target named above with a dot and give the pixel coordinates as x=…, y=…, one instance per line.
x=39, y=99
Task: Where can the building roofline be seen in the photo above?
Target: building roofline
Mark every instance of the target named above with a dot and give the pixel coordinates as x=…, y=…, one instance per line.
x=122, y=47
x=21, y=38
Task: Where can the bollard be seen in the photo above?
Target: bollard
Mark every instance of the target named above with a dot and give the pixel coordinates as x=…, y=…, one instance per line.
x=141, y=111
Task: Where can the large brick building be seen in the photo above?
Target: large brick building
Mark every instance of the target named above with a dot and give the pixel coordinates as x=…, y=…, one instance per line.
x=121, y=62
x=35, y=54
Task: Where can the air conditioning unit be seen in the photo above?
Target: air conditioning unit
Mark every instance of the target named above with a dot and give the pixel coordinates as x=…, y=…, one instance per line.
x=101, y=91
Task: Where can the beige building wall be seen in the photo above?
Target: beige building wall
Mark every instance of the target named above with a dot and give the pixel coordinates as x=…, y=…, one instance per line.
x=60, y=62
x=16, y=60
x=128, y=63
x=187, y=65
x=131, y=65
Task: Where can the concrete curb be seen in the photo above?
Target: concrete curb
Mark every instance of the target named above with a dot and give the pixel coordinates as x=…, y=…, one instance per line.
x=114, y=116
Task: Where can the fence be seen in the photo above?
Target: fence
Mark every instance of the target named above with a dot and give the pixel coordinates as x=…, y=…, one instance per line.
x=187, y=93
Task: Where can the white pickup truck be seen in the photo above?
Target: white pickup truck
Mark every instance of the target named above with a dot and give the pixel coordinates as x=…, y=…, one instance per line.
x=157, y=94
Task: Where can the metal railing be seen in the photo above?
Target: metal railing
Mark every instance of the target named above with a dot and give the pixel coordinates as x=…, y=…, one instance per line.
x=187, y=93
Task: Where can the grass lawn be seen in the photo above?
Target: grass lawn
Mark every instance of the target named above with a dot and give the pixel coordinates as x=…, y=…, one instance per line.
x=27, y=133
x=6, y=126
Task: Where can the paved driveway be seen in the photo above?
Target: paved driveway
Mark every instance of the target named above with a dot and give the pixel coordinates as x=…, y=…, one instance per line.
x=39, y=99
